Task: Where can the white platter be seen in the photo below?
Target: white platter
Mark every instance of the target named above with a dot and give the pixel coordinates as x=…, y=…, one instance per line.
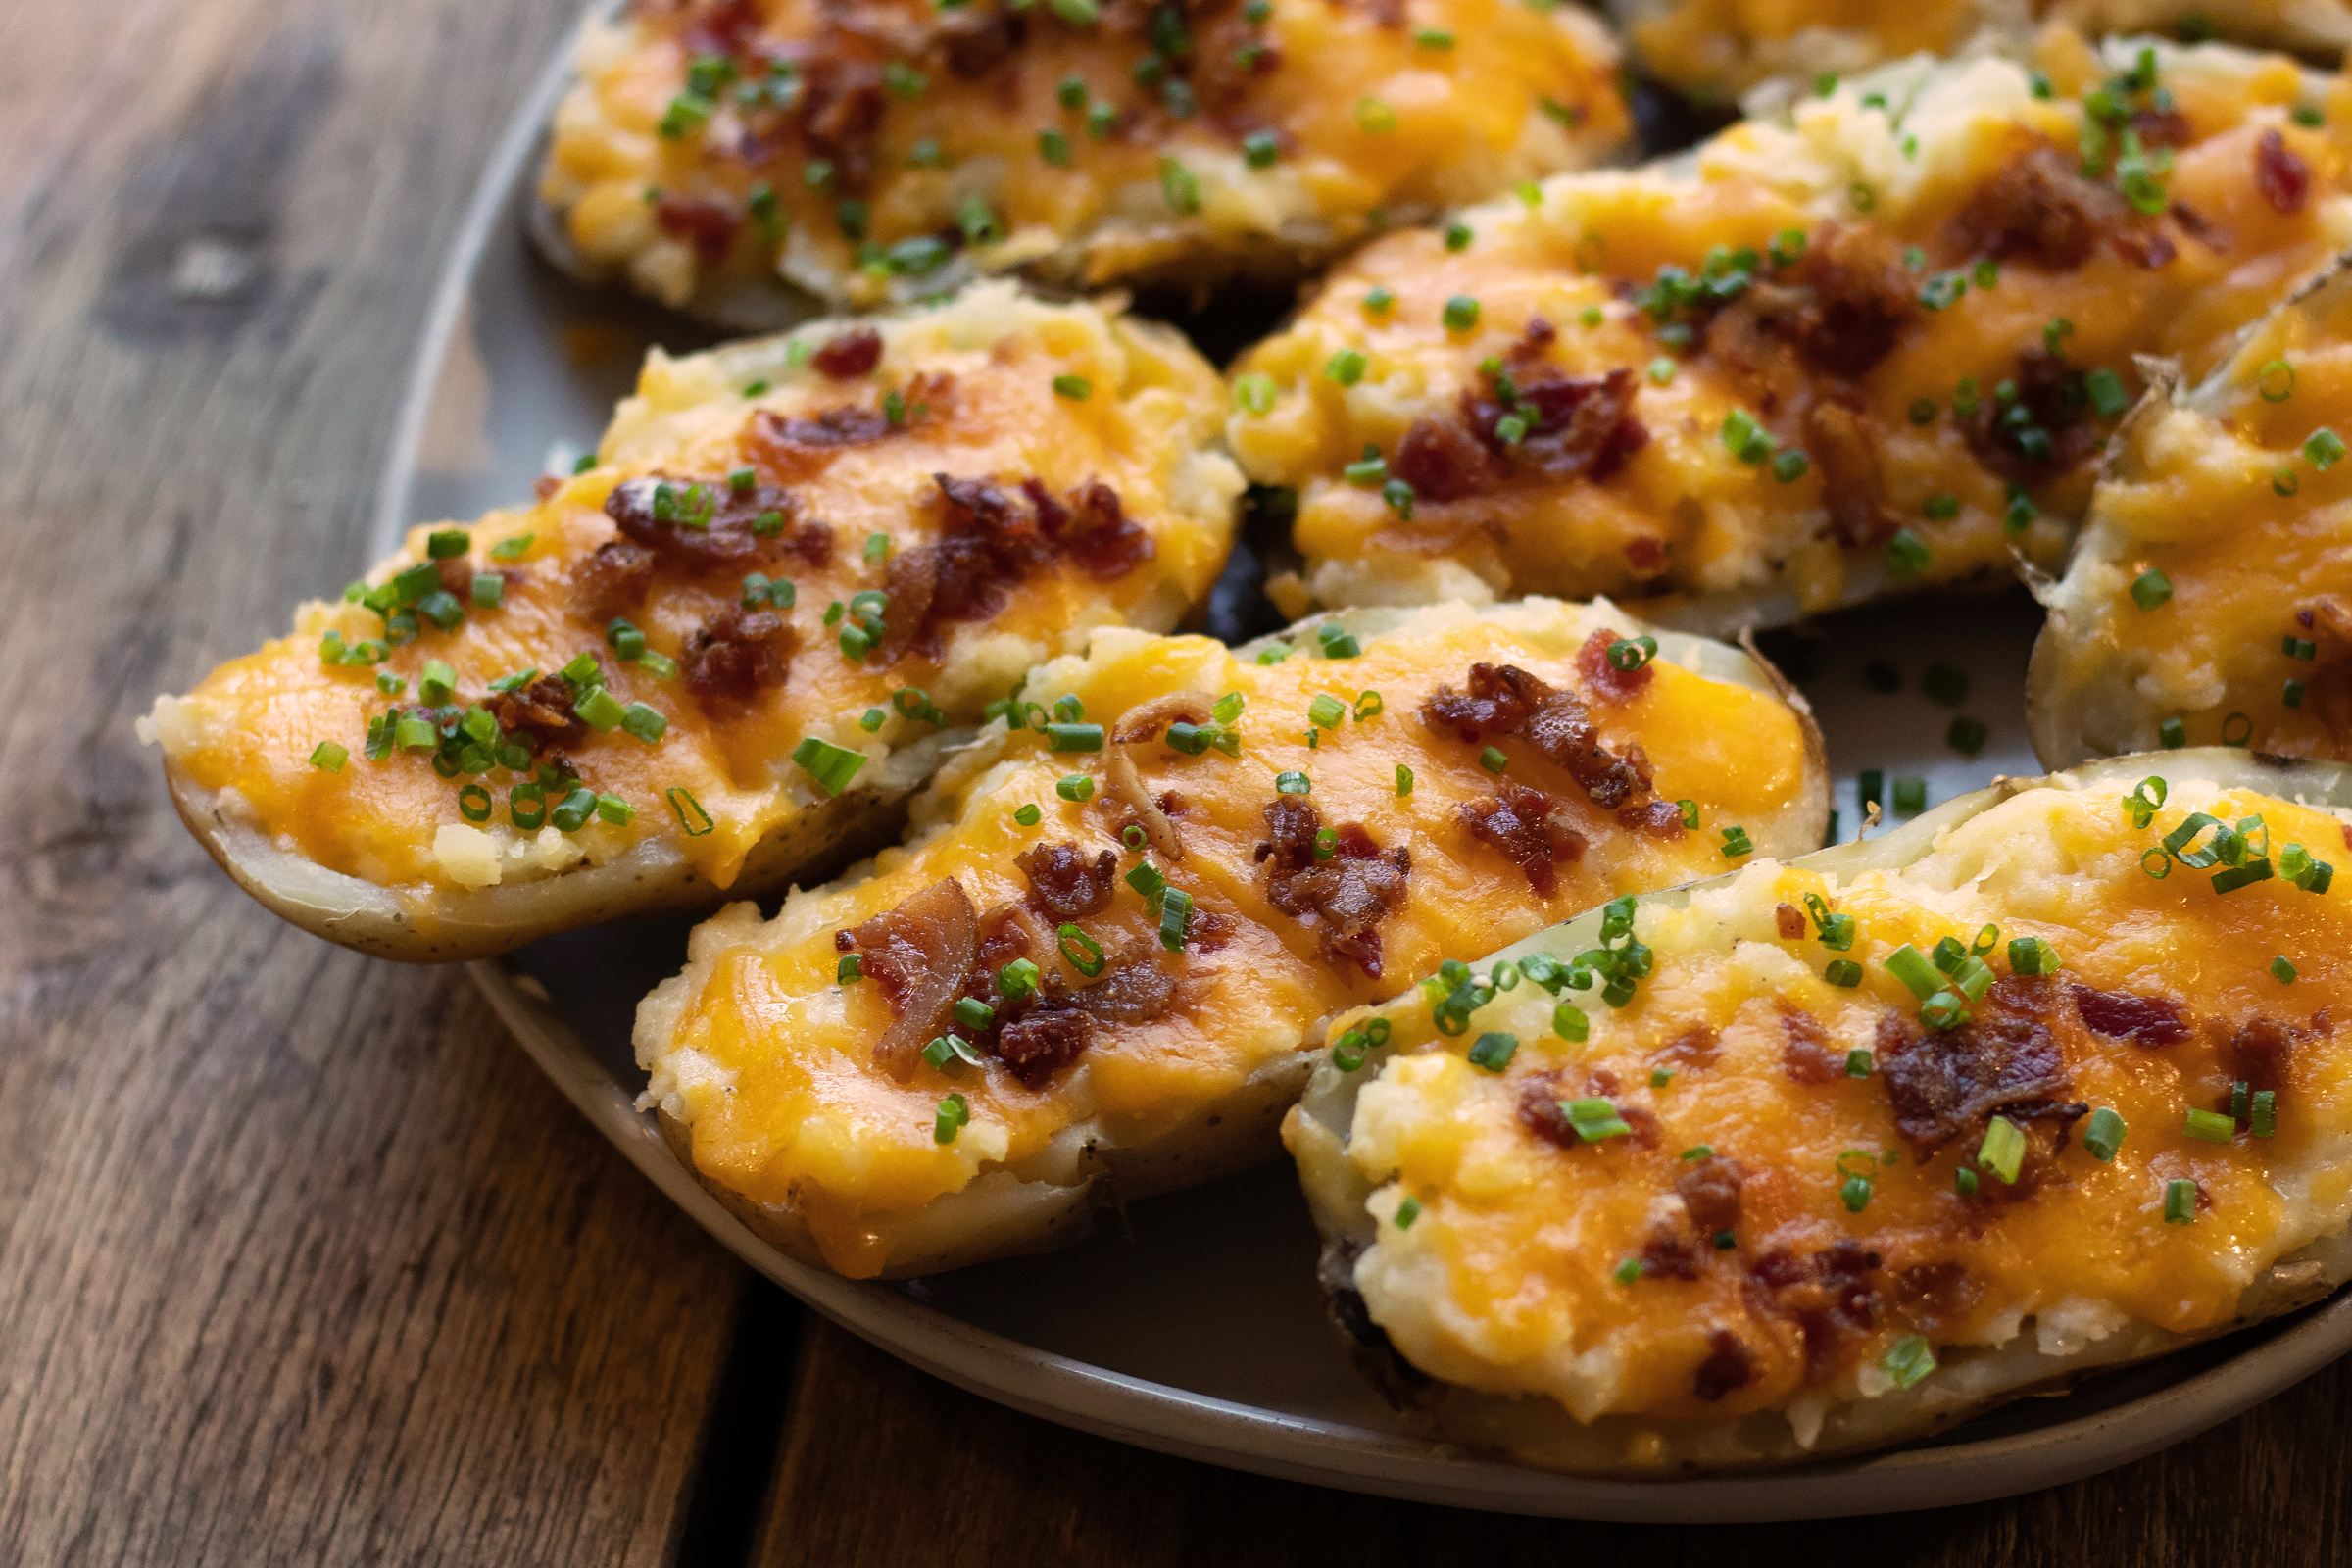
x=1200, y=1332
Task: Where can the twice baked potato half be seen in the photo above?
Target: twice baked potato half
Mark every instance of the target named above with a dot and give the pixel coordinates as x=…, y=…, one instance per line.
x=1714, y=51
x=1820, y=1157
x=725, y=648
x=737, y=159
x=2209, y=599
x=1871, y=345
x=1088, y=974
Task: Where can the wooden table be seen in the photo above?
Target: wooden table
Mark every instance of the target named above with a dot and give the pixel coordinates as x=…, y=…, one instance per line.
x=300, y=1260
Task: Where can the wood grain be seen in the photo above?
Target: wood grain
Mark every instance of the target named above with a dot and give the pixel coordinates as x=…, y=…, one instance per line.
x=883, y=1465
x=300, y=1260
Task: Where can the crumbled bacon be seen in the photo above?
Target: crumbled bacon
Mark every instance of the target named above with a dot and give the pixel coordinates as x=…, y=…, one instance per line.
x=1789, y=921
x=736, y=654
x=1605, y=681
x=1710, y=1193
x=1695, y=1046
x=848, y=355
x=724, y=542
x=1729, y=1365
x=917, y=954
x=840, y=111
x=976, y=43
x=2040, y=209
x=539, y=714
x=1443, y=462
x=1672, y=1252
x=1507, y=700
x=1830, y=1295
x=1577, y=426
x=1660, y=819
x=1037, y=1047
x=2283, y=177
x=1805, y=1054
x=1534, y=831
x=1845, y=452
x=2051, y=392
x=2329, y=619
x=1943, y=1084
x=2163, y=128
x=1137, y=991
x=614, y=580
x=1346, y=896
x=2197, y=227
x=2259, y=1051
x=2151, y=1021
x=710, y=227
x=1064, y=884
x=1095, y=533
x=1844, y=304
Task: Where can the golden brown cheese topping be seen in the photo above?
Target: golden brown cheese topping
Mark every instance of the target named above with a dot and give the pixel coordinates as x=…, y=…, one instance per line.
x=1843, y=1128
x=1874, y=344
x=1112, y=917
x=858, y=150
x=793, y=558
x=2211, y=601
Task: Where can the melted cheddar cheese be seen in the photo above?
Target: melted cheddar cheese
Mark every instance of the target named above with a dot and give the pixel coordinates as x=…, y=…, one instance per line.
x=771, y=1059
x=1715, y=50
x=974, y=385
x=901, y=144
x=1580, y=1271
x=1883, y=403
x=2212, y=593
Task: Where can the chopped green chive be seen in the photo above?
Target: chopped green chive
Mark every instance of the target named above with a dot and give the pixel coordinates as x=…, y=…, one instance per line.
x=1908, y=552
x=1592, y=1119
x=1260, y=149
x=1460, y=313
x=1843, y=972
x=2003, y=1152
x=1336, y=642
x=1407, y=1211
x=1077, y=388
x=1079, y=950
x=1493, y=760
x=2263, y=1114
x=1074, y=787
x=2324, y=448
x=1054, y=148
x=1175, y=919
x=328, y=757
x=832, y=766
x=1346, y=366
x=1254, y=394
x=1736, y=842
x=1908, y=1359
x=1292, y=783
x=1178, y=186
x=2179, y=1203
x=691, y=816
x=1967, y=736
x=954, y=1113
x=1374, y=116
x=1458, y=236
x=1910, y=796
x=2282, y=971
x=2150, y=589
x=645, y=723
x=2104, y=1135
x=1405, y=780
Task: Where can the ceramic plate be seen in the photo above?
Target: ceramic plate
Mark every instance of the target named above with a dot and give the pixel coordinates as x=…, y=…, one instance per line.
x=1199, y=1329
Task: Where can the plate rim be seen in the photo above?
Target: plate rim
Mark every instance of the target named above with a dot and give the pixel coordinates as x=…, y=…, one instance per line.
x=1194, y=1426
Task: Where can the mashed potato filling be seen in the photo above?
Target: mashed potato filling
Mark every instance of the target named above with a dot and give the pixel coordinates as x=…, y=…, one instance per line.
x=691, y=640
x=1868, y=344
x=1309, y=829
x=1778, y=1177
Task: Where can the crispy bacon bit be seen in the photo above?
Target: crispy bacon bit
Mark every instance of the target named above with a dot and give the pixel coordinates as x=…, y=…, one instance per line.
x=2007, y=1060
x=2283, y=177
x=1037, y=1047
x=1543, y=1109
x=1097, y=534
x=1661, y=819
x=1710, y=1192
x=850, y=425
x=1534, y=831
x=2148, y=248
x=725, y=541
x=1789, y=921
x=1135, y=992
x=1498, y=702
x=1671, y=1254
x=1443, y=461
x=1064, y=884
x=1578, y=426
x=1805, y=1054
x=1603, y=681
x=1646, y=554
x=614, y=580
x=2151, y=1021
x=1695, y=1046
x=1936, y=1291
x=2197, y=227
x=540, y=714
x=710, y=227
x=2039, y=208
x=918, y=955
x=1729, y=1365
x=2051, y=390
x=2259, y=1051
x=1830, y=1295
x=1851, y=300
x=977, y=43
x=1347, y=896
x=841, y=109
x=736, y=654
x=2329, y=619
x=848, y=355
x=1507, y=700
x=1846, y=449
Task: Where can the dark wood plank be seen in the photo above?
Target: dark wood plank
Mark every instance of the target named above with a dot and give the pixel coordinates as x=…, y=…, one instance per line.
x=300, y=1261
x=884, y=1465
